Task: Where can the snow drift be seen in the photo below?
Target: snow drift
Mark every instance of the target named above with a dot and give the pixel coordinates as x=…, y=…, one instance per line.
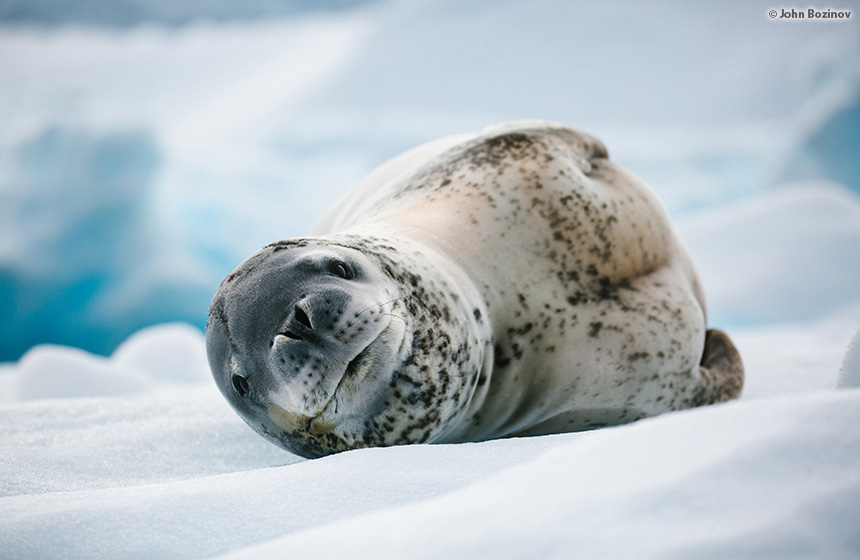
x=173, y=473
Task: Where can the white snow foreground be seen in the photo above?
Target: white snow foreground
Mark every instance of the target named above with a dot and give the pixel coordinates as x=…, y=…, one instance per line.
x=744, y=480
x=776, y=478
x=172, y=472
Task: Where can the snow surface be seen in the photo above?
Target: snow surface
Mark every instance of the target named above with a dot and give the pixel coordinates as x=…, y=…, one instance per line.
x=174, y=473
x=778, y=481
x=139, y=163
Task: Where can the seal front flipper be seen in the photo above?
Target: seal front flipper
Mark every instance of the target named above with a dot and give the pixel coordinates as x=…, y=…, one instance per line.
x=721, y=370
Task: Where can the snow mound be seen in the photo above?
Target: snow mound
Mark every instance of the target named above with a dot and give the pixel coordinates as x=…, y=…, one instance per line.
x=173, y=472
x=156, y=357
x=183, y=477
x=788, y=254
x=168, y=353
x=795, y=358
x=188, y=468
x=767, y=481
x=849, y=374
x=48, y=371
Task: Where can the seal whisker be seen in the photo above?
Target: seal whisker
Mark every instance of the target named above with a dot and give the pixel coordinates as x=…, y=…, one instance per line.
x=289, y=291
x=377, y=305
x=396, y=317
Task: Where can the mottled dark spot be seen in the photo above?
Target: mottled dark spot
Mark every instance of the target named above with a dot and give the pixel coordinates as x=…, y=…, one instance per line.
x=637, y=356
x=287, y=243
x=499, y=358
x=233, y=275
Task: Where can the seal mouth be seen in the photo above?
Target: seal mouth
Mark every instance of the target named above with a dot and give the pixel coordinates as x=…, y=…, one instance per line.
x=356, y=369
x=321, y=423
x=371, y=360
x=321, y=428
x=361, y=364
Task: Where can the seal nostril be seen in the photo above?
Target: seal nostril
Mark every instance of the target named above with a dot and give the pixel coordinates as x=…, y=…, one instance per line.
x=241, y=385
x=303, y=318
x=290, y=334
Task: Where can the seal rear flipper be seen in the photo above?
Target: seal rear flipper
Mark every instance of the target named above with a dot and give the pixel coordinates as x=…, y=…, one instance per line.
x=721, y=370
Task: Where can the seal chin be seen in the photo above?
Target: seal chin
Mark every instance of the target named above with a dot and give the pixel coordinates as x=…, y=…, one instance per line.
x=287, y=421
x=310, y=437
x=321, y=430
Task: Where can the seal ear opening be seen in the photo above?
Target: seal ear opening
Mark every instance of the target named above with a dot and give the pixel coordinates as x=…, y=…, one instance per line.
x=721, y=368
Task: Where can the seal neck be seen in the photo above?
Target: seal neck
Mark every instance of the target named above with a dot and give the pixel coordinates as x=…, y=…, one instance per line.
x=452, y=339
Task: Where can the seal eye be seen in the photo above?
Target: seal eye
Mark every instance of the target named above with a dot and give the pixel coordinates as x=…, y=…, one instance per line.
x=339, y=269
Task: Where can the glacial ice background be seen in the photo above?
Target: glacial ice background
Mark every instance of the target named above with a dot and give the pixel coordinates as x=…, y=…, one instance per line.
x=143, y=156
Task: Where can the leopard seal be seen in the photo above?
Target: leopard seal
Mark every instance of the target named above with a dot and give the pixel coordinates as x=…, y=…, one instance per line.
x=507, y=283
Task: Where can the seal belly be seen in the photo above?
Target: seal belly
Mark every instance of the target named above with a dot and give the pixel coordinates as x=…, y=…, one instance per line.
x=589, y=260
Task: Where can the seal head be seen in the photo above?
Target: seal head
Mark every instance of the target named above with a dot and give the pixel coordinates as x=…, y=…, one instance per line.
x=314, y=343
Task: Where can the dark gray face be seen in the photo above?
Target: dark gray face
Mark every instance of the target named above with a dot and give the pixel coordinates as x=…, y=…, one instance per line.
x=301, y=338
x=325, y=346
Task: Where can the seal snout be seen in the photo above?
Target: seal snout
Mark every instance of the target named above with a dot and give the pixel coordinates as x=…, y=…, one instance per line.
x=327, y=335
x=299, y=325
